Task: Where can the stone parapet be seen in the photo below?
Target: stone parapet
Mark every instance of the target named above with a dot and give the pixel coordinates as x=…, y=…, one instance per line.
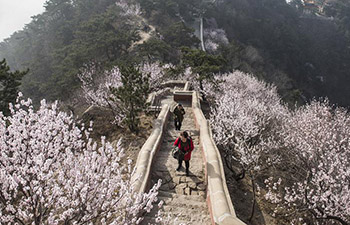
x=183, y=95
x=187, y=86
x=150, y=99
x=174, y=83
x=218, y=197
x=140, y=178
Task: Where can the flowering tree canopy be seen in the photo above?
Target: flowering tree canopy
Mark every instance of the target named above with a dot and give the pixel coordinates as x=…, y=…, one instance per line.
x=129, y=9
x=316, y=143
x=99, y=86
x=309, y=181
x=213, y=38
x=244, y=114
x=156, y=73
x=52, y=172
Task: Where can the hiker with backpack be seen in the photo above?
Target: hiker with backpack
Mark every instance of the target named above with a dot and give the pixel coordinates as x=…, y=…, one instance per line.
x=179, y=113
x=185, y=146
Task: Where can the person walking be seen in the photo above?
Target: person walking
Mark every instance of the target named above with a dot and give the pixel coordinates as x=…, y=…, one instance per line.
x=185, y=145
x=179, y=113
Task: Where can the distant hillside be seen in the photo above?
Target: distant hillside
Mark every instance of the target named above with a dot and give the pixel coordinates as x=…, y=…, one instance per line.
x=311, y=51
x=305, y=57
x=66, y=36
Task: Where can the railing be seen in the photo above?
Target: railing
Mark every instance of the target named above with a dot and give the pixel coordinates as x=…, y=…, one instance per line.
x=140, y=178
x=218, y=197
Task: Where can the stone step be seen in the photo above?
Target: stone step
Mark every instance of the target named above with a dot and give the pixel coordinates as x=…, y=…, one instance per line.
x=187, y=214
x=184, y=215
x=184, y=197
x=173, y=137
x=179, y=202
x=168, y=173
x=170, y=145
x=183, y=209
x=172, y=220
x=172, y=195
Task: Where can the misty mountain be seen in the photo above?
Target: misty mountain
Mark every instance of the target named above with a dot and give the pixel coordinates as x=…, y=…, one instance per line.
x=305, y=54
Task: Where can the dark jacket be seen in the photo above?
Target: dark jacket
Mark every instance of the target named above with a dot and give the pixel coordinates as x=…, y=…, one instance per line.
x=179, y=114
x=187, y=149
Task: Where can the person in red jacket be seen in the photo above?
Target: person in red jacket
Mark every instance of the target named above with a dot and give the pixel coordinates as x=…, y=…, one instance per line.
x=185, y=145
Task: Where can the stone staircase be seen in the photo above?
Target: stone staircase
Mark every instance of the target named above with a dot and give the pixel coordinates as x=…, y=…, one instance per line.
x=184, y=197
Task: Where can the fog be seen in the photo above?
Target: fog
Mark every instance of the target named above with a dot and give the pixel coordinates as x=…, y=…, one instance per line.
x=14, y=14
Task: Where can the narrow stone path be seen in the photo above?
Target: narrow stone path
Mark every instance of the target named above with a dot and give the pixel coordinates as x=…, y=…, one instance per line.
x=184, y=197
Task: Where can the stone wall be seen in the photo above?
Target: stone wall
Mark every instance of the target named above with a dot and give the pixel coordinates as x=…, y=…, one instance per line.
x=140, y=178
x=218, y=197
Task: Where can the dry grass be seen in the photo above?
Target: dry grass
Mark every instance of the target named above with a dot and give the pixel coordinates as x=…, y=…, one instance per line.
x=103, y=126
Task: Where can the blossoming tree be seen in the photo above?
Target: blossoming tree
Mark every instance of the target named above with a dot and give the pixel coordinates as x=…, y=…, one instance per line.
x=315, y=184
x=245, y=114
x=128, y=9
x=157, y=74
x=214, y=37
x=309, y=182
x=99, y=86
x=52, y=172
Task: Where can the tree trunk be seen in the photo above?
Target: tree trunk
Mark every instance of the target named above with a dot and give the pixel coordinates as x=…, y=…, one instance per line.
x=254, y=196
x=240, y=176
x=340, y=220
x=201, y=85
x=236, y=176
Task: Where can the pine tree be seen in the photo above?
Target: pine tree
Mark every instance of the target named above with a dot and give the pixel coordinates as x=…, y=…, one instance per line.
x=9, y=84
x=132, y=95
x=202, y=64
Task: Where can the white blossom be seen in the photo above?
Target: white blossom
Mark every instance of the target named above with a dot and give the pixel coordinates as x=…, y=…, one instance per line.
x=129, y=9
x=245, y=112
x=52, y=172
x=316, y=142
x=213, y=38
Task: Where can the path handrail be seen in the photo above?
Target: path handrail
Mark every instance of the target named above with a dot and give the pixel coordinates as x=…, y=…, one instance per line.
x=141, y=175
x=218, y=197
x=187, y=86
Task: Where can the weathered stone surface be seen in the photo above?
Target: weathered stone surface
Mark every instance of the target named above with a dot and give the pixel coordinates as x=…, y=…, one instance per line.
x=199, y=182
x=187, y=191
x=201, y=187
x=180, y=193
x=201, y=193
x=158, y=174
x=172, y=185
x=182, y=179
x=182, y=185
x=189, y=179
x=164, y=187
x=177, y=180
x=168, y=178
x=192, y=185
x=167, y=208
x=179, y=190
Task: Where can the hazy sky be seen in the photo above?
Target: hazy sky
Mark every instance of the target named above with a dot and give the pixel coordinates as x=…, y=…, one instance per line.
x=14, y=14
